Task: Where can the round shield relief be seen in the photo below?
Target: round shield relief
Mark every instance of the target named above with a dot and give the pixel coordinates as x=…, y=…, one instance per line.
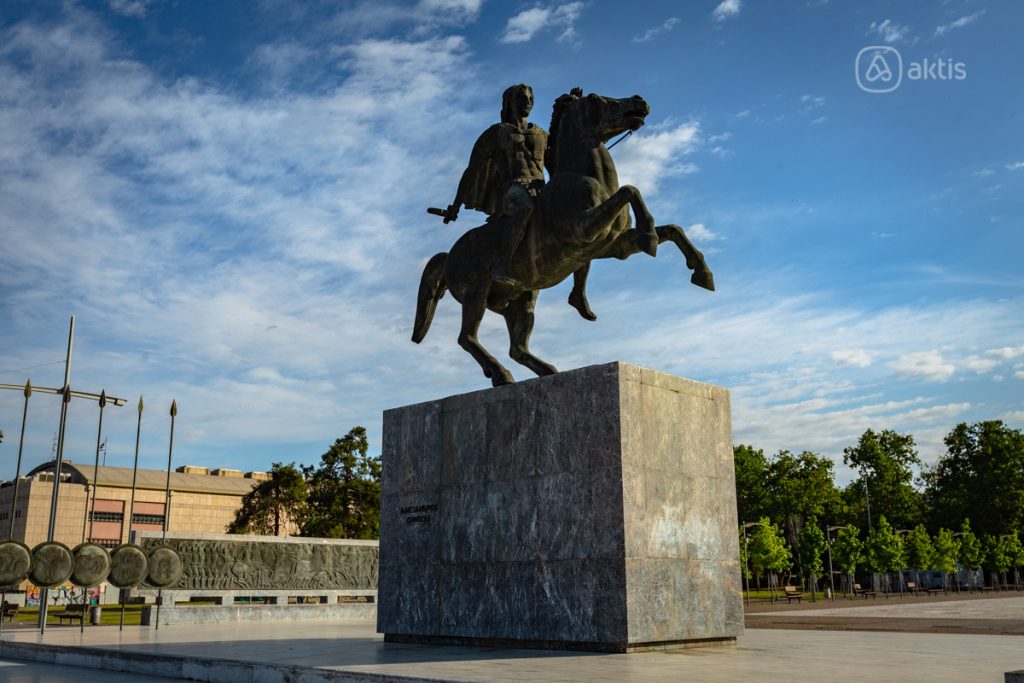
x=52, y=564
x=92, y=565
x=15, y=562
x=164, y=566
x=128, y=566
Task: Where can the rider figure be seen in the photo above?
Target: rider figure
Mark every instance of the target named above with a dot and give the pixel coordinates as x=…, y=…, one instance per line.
x=505, y=174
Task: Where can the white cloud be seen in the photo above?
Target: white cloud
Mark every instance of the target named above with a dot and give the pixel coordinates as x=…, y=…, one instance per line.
x=889, y=30
x=811, y=102
x=820, y=120
x=646, y=158
x=1015, y=166
x=741, y=114
x=927, y=365
x=1007, y=352
x=727, y=9
x=655, y=31
x=980, y=365
x=524, y=26
x=998, y=378
x=857, y=358
x=959, y=23
x=700, y=232
x=1013, y=416
x=130, y=8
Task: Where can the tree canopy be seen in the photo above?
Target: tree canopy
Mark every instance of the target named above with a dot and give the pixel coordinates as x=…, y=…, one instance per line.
x=344, y=491
x=981, y=477
x=884, y=462
x=274, y=505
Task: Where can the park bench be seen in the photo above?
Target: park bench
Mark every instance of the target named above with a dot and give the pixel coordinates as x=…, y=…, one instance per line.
x=863, y=592
x=935, y=591
x=9, y=611
x=792, y=594
x=912, y=588
x=73, y=612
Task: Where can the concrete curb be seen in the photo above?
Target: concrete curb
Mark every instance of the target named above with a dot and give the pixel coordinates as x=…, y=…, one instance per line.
x=190, y=668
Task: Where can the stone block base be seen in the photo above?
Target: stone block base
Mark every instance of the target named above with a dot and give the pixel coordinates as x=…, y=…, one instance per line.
x=594, y=509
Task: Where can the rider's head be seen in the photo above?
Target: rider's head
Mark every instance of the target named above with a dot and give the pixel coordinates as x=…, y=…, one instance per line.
x=516, y=103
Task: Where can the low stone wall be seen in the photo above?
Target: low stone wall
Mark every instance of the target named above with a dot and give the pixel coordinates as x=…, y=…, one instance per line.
x=213, y=614
x=249, y=577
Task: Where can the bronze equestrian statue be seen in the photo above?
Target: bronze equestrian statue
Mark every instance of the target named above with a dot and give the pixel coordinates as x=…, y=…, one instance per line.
x=580, y=215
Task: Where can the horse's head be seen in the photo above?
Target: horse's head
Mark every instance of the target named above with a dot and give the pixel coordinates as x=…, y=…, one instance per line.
x=579, y=118
x=598, y=116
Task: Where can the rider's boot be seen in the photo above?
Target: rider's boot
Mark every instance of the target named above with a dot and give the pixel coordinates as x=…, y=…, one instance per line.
x=578, y=295
x=515, y=228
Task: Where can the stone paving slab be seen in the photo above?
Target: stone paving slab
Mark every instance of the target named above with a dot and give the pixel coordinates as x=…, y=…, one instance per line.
x=275, y=653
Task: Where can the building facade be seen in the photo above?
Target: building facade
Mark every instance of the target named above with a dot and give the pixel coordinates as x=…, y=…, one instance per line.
x=201, y=501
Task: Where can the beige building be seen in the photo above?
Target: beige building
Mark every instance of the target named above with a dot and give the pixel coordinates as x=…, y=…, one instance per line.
x=202, y=501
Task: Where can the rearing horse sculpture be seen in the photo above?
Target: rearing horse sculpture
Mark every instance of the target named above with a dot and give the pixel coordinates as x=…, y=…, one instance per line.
x=580, y=215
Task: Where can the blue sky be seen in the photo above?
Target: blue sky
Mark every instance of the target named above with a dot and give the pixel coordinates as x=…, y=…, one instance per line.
x=230, y=197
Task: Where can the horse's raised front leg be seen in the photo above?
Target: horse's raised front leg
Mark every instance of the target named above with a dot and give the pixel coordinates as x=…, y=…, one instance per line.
x=627, y=245
x=519, y=319
x=473, y=309
x=597, y=219
x=702, y=276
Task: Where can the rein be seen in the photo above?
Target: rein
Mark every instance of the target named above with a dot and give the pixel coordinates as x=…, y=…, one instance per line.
x=624, y=136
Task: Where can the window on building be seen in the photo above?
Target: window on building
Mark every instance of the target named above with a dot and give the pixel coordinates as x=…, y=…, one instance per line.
x=106, y=516
x=140, y=518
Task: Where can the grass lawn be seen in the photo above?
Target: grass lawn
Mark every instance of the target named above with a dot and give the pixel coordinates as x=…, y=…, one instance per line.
x=111, y=615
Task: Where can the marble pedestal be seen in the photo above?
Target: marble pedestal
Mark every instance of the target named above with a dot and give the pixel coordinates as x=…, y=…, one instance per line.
x=594, y=509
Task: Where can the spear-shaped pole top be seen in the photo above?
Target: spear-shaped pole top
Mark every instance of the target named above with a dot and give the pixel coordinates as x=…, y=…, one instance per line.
x=28, y=388
x=103, y=398
x=174, y=407
x=140, y=403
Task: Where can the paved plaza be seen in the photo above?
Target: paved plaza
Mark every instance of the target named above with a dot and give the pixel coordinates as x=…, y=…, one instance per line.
x=272, y=652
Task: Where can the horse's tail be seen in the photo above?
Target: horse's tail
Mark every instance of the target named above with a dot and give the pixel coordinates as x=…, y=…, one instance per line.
x=432, y=286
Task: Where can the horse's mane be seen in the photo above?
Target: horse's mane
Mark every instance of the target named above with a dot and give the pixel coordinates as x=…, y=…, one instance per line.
x=557, y=110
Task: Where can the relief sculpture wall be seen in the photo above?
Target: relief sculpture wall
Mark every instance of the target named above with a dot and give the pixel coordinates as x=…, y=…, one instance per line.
x=209, y=564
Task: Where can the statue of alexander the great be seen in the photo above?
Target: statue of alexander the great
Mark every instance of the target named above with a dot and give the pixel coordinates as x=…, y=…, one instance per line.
x=536, y=234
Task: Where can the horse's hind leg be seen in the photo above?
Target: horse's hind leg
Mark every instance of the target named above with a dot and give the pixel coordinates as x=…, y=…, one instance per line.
x=473, y=309
x=519, y=319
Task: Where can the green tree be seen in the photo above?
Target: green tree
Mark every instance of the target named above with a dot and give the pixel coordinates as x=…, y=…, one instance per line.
x=971, y=555
x=994, y=557
x=847, y=551
x=751, y=482
x=918, y=551
x=768, y=551
x=918, y=548
x=946, y=551
x=981, y=477
x=273, y=505
x=344, y=491
x=800, y=486
x=884, y=552
x=1015, y=552
x=885, y=463
x=812, y=545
